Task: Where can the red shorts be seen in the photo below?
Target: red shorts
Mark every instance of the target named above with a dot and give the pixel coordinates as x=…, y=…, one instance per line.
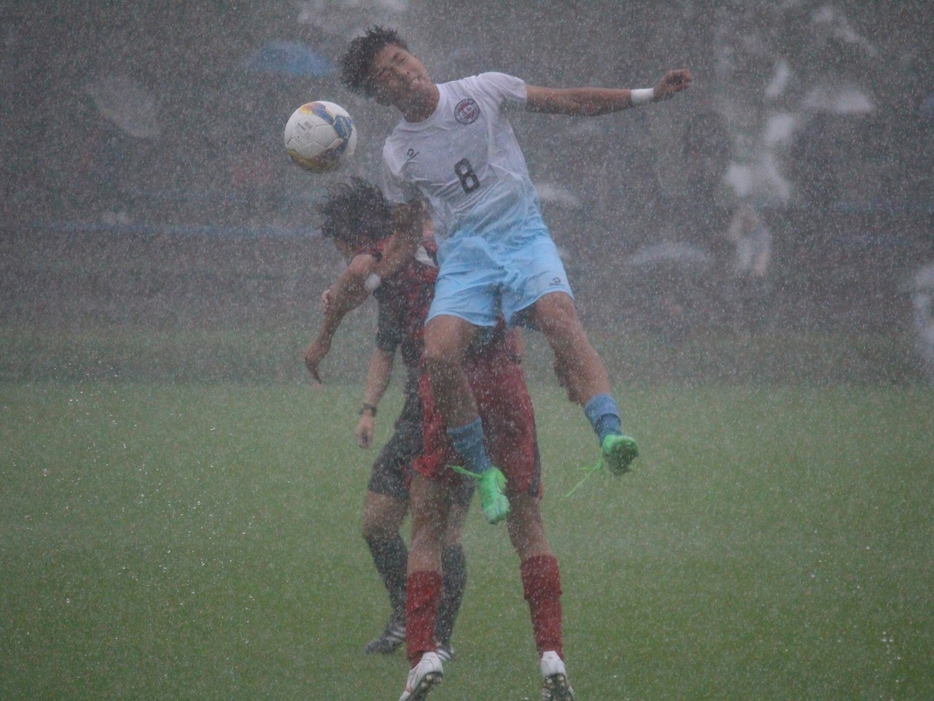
x=505, y=407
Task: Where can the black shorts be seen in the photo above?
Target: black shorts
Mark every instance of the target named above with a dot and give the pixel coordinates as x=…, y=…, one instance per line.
x=390, y=473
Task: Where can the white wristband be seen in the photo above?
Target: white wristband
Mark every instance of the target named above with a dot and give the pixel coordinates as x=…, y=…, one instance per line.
x=642, y=96
x=372, y=282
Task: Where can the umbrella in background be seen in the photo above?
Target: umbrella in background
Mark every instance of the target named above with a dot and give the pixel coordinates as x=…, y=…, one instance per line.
x=292, y=58
x=125, y=103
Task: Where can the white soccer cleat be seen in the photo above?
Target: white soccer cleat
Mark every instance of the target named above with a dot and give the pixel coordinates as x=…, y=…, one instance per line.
x=423, y=677
x=555, y=685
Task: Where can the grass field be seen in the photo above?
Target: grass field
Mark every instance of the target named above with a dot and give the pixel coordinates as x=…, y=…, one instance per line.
x=201, y=542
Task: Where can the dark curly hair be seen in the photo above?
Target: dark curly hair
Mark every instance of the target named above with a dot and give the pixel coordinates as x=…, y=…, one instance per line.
x=358, y=59
x=355, y=212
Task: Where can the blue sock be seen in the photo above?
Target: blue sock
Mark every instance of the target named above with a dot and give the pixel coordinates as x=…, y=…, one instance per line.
x=603, y=414
x=468, y=441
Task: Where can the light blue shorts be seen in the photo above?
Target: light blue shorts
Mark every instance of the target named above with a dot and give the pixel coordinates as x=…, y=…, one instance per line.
x=478, y=280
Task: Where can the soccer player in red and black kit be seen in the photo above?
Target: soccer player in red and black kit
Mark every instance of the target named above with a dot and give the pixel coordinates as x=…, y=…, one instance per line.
x=353, y=217
x=360, y=225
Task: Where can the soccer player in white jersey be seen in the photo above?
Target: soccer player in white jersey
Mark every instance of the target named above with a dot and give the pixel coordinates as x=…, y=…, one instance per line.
x=455, y=151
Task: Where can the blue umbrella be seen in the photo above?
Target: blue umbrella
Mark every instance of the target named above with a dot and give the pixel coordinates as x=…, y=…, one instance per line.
x=291, y=58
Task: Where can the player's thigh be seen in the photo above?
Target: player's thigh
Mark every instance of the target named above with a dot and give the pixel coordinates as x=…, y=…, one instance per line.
x=555, y=315
x=468, y=282
x=533, y=271
x=390, y=473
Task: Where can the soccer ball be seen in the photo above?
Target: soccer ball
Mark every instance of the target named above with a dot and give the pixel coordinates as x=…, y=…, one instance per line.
x=319, y=134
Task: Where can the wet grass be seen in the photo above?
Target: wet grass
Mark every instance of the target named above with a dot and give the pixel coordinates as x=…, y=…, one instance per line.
x=219, y=353
x=201, y=541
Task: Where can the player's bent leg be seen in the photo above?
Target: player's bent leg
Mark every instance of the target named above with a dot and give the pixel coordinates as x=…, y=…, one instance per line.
x=526, y=527
x=382, y=515
x=541, y=578
x=446, y=340
x=581, y=370
x=382, y=518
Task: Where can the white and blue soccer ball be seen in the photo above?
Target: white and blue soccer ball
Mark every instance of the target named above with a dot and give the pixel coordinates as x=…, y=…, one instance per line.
x=319, y=135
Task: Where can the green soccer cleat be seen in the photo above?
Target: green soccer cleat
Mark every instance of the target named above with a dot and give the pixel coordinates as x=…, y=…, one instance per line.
x=493, y=501
x=617, y=453
x=491, y=485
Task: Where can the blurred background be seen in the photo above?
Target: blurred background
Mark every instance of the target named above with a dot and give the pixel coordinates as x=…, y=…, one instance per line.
x=774, y=223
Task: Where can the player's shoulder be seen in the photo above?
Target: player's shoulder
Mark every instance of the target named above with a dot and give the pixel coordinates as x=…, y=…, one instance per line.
x=489, y=81
x=495, y=87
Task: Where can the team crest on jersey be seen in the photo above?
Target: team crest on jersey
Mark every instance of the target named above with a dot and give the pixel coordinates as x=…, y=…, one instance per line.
x=467, y=111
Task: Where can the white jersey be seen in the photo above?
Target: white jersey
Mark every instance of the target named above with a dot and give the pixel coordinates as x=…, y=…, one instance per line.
x=465, y=161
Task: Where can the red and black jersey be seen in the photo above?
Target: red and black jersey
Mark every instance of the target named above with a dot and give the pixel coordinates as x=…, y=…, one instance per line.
x=404, y=300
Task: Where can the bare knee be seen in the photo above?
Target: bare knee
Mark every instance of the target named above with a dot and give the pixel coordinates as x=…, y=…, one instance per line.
x=382, y=517
x=439, y=359
x=377, y=530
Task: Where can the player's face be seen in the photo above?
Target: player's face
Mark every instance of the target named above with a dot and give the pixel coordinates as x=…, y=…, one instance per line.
x=399, y=78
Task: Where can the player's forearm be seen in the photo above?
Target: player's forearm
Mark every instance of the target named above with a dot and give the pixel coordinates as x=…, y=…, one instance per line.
x=329, y=326
x=579, y=102
x=346, y=294
x=378, y=375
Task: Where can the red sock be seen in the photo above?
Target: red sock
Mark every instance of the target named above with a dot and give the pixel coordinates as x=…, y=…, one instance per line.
x=422, y=595
x=541, y=584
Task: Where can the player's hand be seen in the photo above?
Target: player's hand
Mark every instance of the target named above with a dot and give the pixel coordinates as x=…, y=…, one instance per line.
x=364, y=430
x=326, y=301
x=672, y=83
x=314, y=354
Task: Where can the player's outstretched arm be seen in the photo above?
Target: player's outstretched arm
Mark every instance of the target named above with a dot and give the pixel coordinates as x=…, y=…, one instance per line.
x=590, y=102
x=345, y=295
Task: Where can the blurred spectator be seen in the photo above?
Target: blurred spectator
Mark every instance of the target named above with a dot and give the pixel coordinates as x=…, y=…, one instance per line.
x=753, y=242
